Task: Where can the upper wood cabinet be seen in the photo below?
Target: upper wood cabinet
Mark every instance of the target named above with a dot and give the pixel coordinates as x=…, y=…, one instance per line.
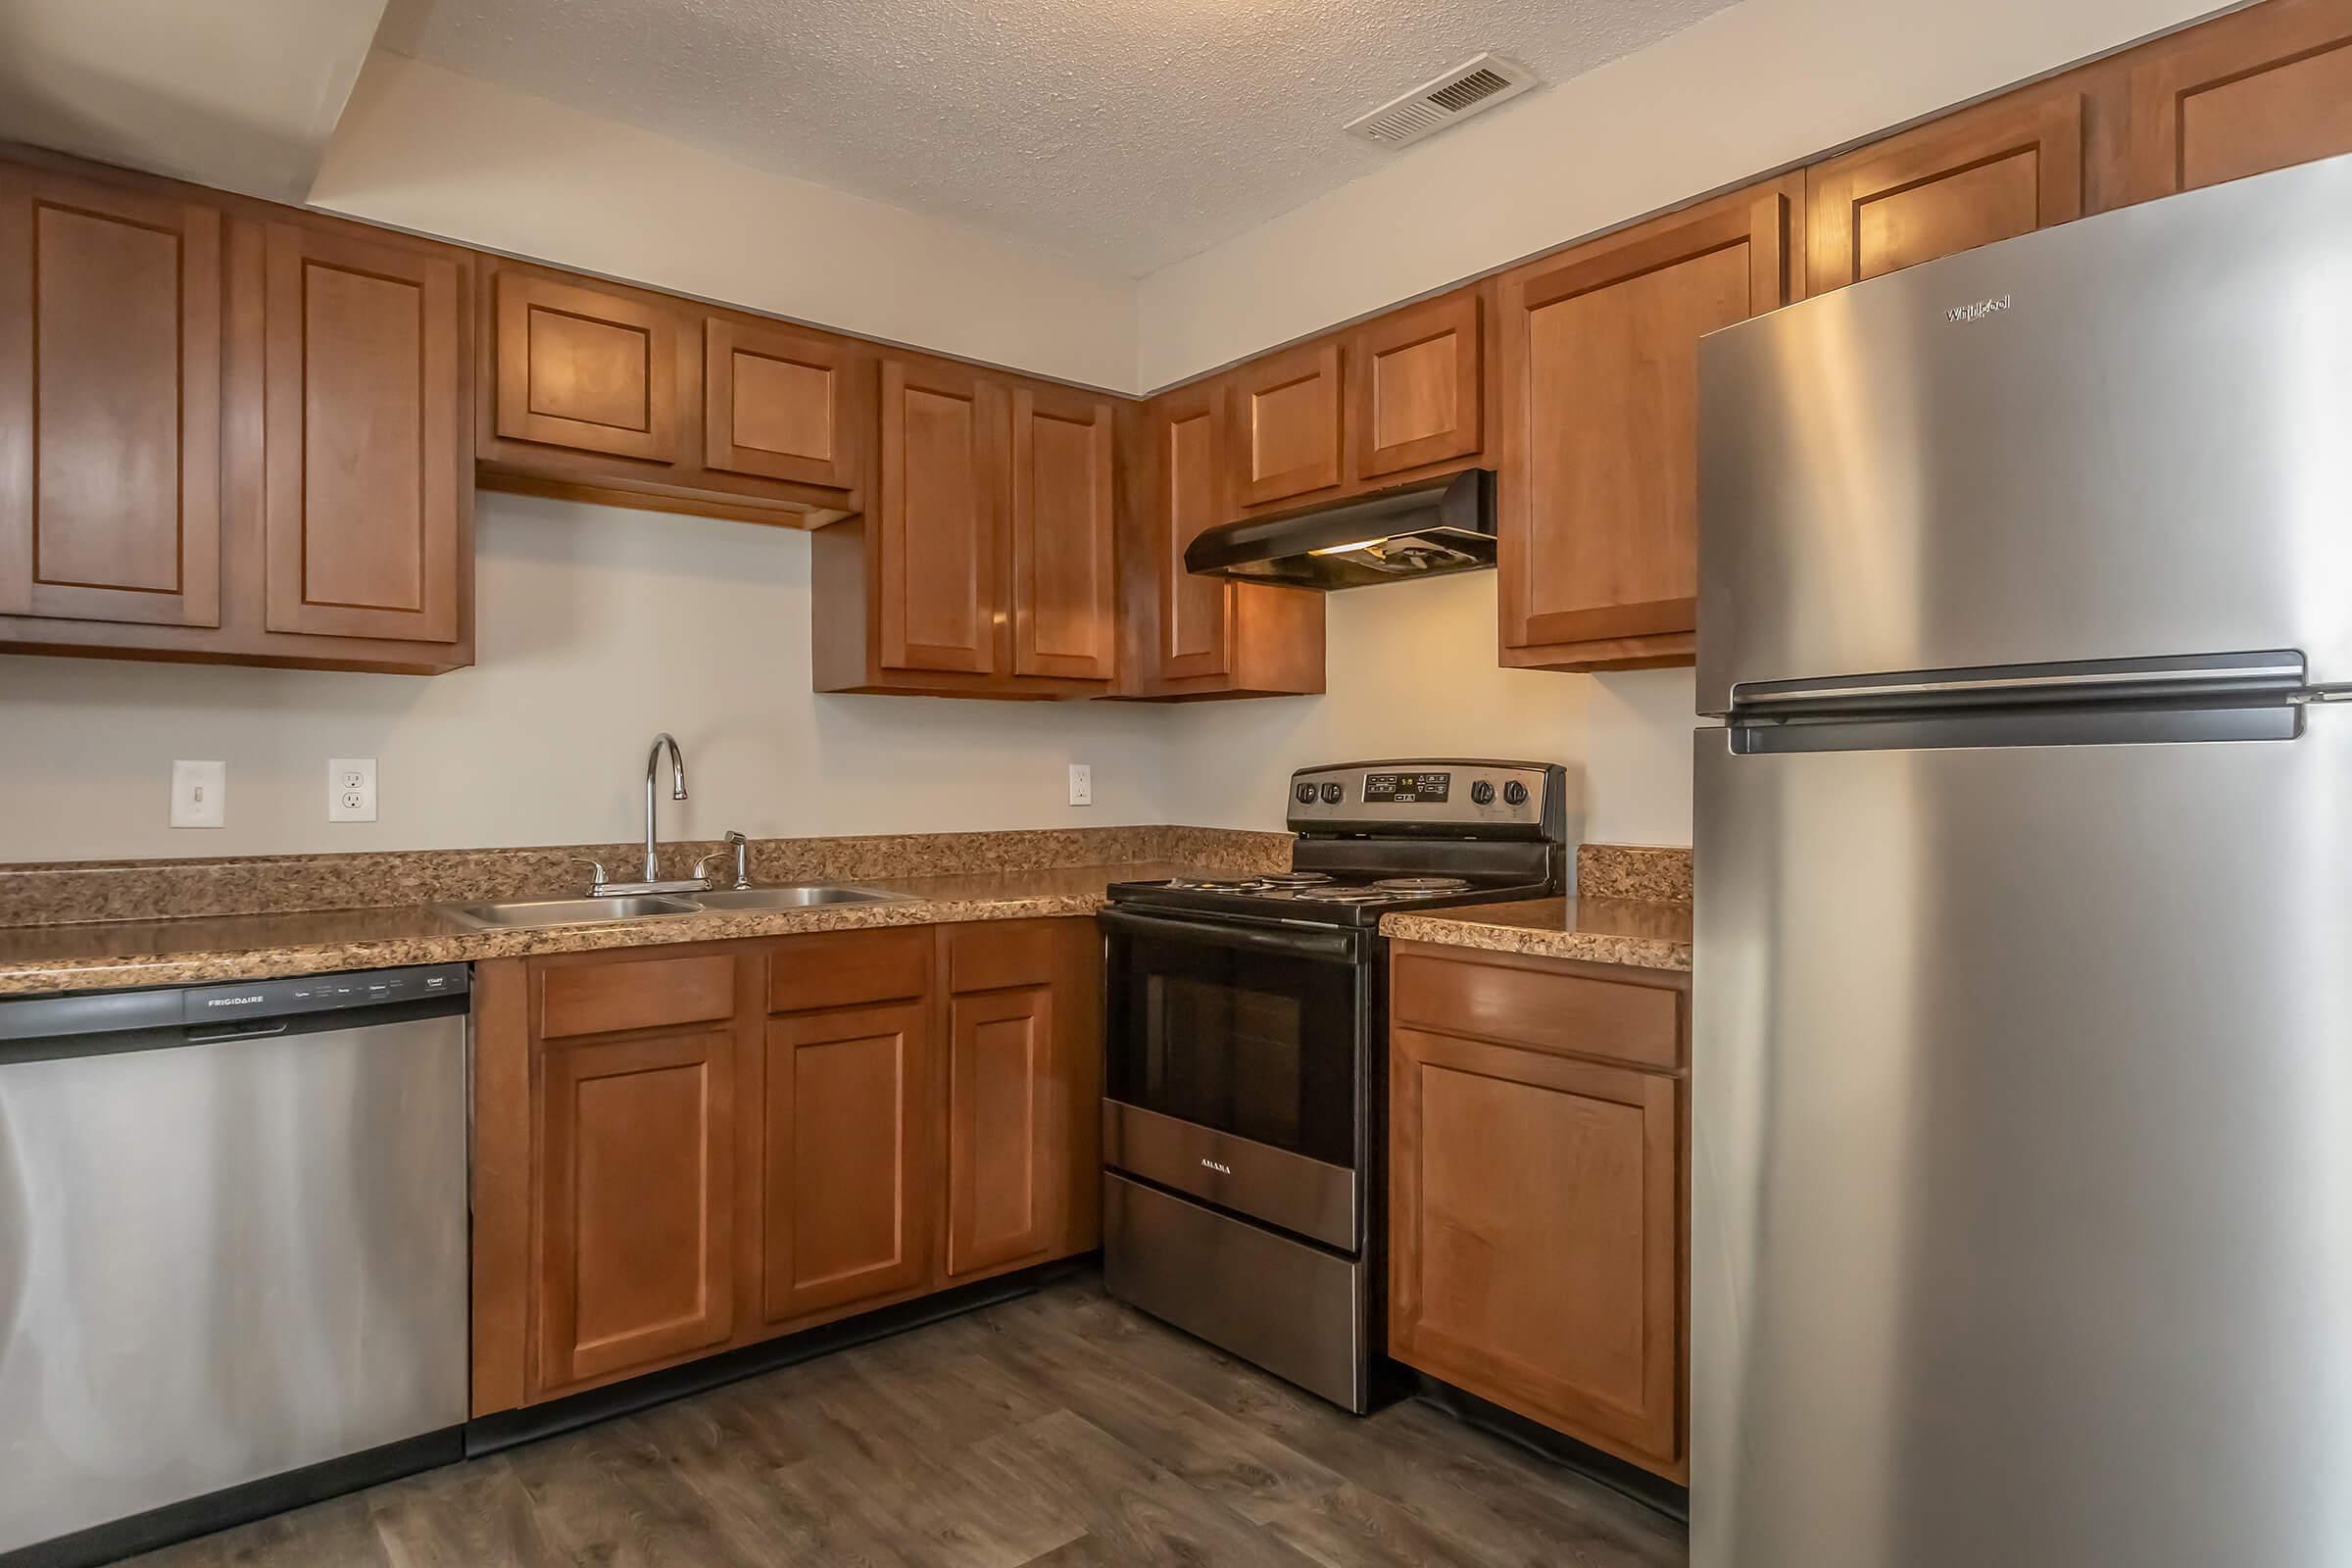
x=366, y=490
x=986, y=565
x=1600, y=427
x=1064, y=577
x=1286, y=419
x=1417, y=385
x=1538, y=1192
x=781, y=403
x=1185, y=637
x=2000, y=170
x=110, y=403
x=602, y=392
x=228, y=432
x=2259, y=90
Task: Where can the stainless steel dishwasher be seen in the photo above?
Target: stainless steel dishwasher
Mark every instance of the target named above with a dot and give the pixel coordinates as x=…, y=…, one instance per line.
x=232, y=1252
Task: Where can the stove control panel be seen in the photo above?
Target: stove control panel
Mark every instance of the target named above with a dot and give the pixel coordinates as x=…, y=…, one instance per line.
x=1518, y=800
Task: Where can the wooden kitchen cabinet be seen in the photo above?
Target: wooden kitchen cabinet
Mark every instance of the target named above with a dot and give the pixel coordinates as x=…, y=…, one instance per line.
x=1538, y=1178
x=1183, y=637
x=110, y=435
x=1286, y=423
x=1599, y=492
x=2259, y=90
x=686, y=1148
x=365, y=494
x=228, y=432
x=985, y=568
x=1991, y=172
x=1416, y=393
x=595, y=391
x=1023, y=1094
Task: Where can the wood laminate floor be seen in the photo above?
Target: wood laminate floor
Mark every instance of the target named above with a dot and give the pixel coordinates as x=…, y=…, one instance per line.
x=1061, y=1430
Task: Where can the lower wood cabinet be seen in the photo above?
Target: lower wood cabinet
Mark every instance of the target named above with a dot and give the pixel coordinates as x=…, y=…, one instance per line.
x=683, y=1150
x=1538, y=1192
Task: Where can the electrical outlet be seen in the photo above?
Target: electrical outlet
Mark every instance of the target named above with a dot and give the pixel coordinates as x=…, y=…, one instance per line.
x=199, y=794
x=1082, y=784
x=351, y=789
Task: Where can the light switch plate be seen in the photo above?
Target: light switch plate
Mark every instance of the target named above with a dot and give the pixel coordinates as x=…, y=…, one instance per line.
x=199, y=794
x=351, y=789
x=1082, y=784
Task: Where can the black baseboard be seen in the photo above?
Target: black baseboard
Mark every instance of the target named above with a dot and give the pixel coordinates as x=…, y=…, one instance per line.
x=237, y=1506
x=527, y=1425
x=1545, y=1444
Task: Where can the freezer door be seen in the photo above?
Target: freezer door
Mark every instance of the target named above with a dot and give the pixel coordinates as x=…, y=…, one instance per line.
x=2021, y=1224
x=2122, y=438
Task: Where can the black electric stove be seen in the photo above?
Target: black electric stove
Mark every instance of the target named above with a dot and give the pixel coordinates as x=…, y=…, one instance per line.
x=1243, y=1049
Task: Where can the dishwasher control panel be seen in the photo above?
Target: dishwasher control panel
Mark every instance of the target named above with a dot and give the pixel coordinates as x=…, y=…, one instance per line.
x=320, y=993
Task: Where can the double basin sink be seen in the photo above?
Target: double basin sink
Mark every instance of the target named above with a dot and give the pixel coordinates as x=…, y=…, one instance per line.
x=532, y=913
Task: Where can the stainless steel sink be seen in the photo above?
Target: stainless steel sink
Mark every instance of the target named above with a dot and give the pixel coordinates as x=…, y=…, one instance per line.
x=564, y=911
x=798, y=897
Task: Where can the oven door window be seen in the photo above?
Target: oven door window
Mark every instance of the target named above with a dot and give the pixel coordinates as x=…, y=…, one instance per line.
x=1254, y=1043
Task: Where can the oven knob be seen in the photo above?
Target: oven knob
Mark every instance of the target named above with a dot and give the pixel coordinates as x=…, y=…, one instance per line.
x=1333, y=794
x=1482, y=793
x=1514, y=793
x=1306, y=794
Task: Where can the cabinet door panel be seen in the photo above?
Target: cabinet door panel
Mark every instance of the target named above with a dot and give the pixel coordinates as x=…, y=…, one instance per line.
x=1537, y=1236
x=110, y=404
x=636, y=1222
x=1598, y=503
x=368, y=471
x=846, y=1158
x=1065, y=588
x=1417, y=385
x=1988, y=174
x=1195, y=613
x=590, y=370
x=777, y=403
x=942, y=500
x=1286, y=424
x=1003, y=1148
x=2263, y=88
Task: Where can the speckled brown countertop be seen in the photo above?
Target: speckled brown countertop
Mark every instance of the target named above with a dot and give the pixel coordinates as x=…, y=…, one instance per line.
x=1645, y=933
x=101, y=954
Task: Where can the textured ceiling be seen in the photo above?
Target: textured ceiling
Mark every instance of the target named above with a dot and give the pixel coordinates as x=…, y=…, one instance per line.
x=1128, y=132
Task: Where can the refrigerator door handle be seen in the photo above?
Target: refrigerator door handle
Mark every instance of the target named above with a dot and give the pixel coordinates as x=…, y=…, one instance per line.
x=2274, y=674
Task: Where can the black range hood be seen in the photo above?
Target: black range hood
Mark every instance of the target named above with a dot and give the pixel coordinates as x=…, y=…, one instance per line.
x=1414, y=531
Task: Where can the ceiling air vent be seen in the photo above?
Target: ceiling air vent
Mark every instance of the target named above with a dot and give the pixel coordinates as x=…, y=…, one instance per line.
x=1469, y=87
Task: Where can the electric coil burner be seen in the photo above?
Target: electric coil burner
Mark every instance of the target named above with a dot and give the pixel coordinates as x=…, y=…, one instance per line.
x=1244, y=1056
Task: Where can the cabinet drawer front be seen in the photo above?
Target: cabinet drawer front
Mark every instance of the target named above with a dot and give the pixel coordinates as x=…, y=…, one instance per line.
x=996, y=954
x=849, y=968
x=635, y=994
x=1532, y=1006
x=110, y=404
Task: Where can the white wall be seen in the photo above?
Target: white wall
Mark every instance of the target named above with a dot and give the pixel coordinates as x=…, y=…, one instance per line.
x=1764, y=84
x=597, y=628
x=241, y=95
x=430, y=150
x=1412, y=671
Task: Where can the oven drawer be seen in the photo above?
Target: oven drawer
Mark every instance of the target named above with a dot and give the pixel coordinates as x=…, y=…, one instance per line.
x=1293, y=1309
x=1283, y=1188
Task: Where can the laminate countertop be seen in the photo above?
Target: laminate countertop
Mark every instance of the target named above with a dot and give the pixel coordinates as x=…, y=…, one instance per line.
x=96, y=955
x=1645, y=933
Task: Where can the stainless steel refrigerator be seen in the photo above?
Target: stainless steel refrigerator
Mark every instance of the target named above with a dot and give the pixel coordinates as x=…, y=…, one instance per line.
x=2023, y=1077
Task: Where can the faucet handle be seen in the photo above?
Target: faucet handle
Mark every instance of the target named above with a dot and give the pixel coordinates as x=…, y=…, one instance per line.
x=597, y=868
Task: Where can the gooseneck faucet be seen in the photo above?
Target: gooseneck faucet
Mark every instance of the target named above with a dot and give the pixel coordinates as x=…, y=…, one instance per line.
x=677, y=792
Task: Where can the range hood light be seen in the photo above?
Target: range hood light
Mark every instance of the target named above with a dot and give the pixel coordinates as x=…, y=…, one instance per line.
x=1360, y=544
